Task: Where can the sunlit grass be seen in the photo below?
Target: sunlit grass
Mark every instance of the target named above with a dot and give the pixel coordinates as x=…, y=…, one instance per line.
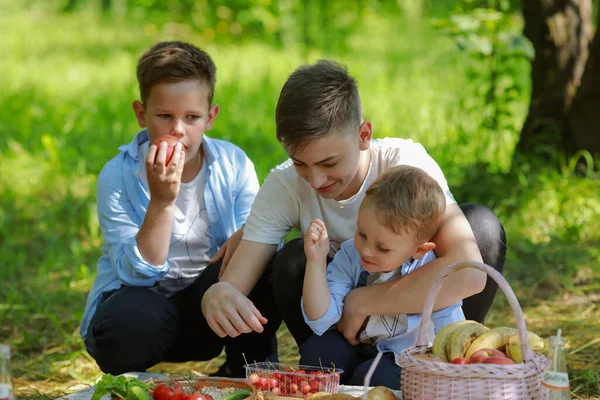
x=66, y=107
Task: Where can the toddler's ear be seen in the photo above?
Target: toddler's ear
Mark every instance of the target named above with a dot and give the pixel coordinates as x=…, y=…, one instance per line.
x=140, y=113
x=422, y=249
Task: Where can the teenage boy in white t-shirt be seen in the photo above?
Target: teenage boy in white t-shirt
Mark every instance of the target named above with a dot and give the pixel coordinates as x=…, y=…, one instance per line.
x=333, y=160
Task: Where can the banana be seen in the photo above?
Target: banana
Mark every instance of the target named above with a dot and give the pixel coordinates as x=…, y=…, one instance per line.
x=513, y=347
x=495, y=338
x=441, y=339
x=462, y=337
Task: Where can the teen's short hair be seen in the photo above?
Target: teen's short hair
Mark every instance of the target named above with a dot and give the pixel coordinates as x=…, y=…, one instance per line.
x=317, y=100
x=174, y=62
x=409, y=201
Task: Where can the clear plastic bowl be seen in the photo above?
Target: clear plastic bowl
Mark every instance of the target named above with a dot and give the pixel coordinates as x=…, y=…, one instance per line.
x=292, y=380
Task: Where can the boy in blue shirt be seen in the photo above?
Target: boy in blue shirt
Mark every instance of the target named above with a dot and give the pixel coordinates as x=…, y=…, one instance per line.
x=400, y=213
x=162, y=221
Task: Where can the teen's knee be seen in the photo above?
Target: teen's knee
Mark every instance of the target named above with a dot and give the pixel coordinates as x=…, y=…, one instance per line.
x=489, y=233
x=288, y=267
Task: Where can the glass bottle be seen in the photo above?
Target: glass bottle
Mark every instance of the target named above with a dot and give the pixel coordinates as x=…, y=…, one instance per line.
x=7, y=387
x=556, y=379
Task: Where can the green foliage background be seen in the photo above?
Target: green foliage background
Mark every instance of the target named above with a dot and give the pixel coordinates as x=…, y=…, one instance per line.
x=453, y=75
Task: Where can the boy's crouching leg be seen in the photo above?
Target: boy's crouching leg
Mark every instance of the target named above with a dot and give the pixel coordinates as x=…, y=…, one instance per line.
x=330, y=350
x=491, y=240
x=132, y=330
x=288, y=268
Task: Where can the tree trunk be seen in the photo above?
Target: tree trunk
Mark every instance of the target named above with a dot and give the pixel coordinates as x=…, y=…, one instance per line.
x=583, y=128
x=560, y=31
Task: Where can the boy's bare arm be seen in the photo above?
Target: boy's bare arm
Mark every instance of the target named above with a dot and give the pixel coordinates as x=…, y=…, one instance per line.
x=454, y=242
x=315, y=291
x=225, y=304
x=154, y=236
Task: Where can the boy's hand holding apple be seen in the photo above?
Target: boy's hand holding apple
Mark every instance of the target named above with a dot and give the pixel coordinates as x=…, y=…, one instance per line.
x=164, y=166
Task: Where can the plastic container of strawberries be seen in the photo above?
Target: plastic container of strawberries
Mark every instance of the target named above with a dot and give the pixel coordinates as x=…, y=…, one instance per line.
x=292, y=380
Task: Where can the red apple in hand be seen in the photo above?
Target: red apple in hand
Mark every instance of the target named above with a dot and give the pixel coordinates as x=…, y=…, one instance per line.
x=171, y=142
x=480, y=355
x=498, y=360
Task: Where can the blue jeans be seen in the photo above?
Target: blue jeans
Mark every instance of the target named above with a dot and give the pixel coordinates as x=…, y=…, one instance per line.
x=333, y=349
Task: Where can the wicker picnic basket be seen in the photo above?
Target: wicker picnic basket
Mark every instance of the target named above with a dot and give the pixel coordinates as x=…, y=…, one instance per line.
x=424, y=379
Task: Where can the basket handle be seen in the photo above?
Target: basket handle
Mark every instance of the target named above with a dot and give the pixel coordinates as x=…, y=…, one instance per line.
x=526, y=351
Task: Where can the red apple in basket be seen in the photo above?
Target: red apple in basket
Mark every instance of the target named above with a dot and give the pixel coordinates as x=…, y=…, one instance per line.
x=460, y=360
x=481, y=355
x=171, y=142
x=498, y=360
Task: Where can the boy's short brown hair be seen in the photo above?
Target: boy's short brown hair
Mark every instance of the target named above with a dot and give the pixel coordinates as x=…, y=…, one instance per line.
x=174, y=62
x=408, y=200
x=314, y=101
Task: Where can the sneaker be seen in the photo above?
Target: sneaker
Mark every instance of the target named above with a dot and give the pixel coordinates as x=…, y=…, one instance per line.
x=225, y=371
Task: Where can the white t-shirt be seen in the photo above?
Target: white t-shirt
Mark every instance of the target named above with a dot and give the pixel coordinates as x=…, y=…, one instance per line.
x=190, y=238
x=286, y=200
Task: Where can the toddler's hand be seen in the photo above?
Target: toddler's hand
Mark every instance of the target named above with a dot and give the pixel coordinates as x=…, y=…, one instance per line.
x=316, y=241
x=164, y=180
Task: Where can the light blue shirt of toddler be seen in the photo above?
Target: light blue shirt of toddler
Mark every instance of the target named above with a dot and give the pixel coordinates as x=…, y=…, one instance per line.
x=343, y=275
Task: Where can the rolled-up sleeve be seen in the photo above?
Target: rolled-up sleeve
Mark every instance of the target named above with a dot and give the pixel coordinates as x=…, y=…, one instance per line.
x=341, y=279
x=120, y=224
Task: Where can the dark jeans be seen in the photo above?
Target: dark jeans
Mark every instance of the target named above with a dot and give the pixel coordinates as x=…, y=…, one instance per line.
x=135, y=328
x=333, y=349
x=289, y=264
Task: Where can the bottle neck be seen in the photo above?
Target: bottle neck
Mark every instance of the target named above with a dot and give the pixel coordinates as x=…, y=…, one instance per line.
x=5, y=372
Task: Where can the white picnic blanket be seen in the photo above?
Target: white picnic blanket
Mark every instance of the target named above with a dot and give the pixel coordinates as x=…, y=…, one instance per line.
x=86, y=394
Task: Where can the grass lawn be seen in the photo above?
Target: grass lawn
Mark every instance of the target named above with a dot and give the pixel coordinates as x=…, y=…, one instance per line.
x=66, y=107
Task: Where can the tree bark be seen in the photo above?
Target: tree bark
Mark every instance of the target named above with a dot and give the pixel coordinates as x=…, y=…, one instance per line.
x=583, y=124
x=560, y=31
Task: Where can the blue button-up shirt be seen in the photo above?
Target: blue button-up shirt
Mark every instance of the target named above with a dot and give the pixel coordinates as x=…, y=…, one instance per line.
x=123, y=197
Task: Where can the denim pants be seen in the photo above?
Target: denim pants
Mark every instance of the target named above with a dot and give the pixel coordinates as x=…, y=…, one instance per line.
x=333, y=349
x=135, y=328
x=290, y=262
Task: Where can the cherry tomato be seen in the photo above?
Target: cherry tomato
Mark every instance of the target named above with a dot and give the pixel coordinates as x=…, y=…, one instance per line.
x=165, y=392
x=306, y=389
x=273, y=383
